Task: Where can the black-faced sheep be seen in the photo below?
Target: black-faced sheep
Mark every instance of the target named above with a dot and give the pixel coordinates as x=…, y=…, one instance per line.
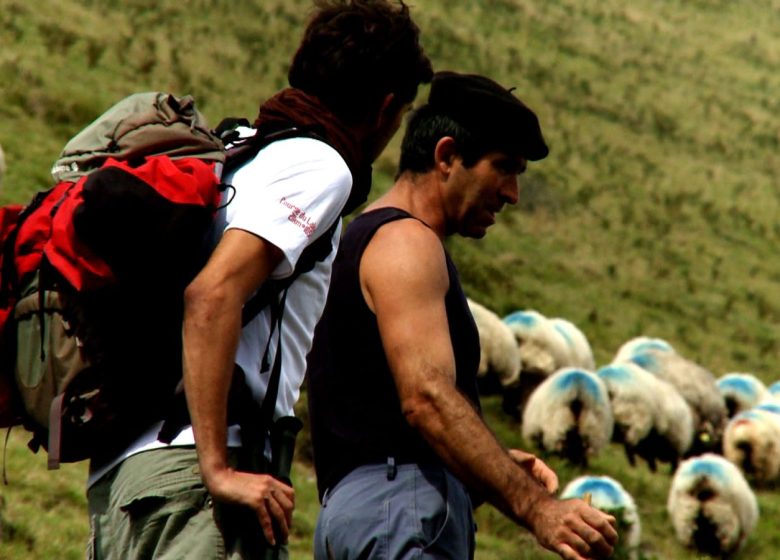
x=569, y=415
x=711, y=505
x=741, y=391
x=652, y=420
x=608, y=495
x=499, y=360
x=752, y=442
x=698, y=387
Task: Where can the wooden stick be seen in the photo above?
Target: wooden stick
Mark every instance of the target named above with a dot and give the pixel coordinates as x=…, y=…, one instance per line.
x=587, y=497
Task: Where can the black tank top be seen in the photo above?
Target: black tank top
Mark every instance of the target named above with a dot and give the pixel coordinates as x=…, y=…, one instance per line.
x=354, y=409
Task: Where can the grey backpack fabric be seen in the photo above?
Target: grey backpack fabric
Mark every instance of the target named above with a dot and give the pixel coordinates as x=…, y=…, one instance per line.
x=142, y=124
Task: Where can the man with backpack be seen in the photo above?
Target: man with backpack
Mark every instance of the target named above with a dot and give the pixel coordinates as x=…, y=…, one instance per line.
x=353, y=77
x=393, y=401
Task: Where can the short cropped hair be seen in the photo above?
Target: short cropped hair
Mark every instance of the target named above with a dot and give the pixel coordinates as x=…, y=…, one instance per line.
x=355, y=52
x=426, y=126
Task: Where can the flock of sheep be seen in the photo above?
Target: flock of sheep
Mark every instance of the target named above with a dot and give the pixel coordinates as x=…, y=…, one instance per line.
x=720, y=436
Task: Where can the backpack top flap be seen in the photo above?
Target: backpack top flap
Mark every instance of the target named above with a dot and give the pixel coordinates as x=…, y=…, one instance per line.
x=142, y=124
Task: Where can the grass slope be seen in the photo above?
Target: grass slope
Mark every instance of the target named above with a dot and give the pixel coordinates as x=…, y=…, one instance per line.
x=654, y=214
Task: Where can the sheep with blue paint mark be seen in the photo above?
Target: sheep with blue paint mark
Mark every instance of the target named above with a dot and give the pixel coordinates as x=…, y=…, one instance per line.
x=773, y=391
x=641, y=344
x=752, y=442
x=696, y=384
x=499, y=358
x=543, y=349
x=581, y=353
x=652, y=420
x=569, y=415
x=711, y=505
x=741, y=391
x=609, y=496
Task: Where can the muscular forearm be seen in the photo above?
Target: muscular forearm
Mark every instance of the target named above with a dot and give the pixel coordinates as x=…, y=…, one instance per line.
x=459, y=436
x=208, y=369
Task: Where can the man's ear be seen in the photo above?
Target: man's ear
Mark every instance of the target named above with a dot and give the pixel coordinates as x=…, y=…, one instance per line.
x=444, y=154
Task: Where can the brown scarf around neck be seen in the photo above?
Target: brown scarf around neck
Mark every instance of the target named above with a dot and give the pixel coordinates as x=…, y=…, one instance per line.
x=293, y=107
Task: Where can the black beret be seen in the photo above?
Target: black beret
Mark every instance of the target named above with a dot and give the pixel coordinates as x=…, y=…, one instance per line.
x=488, y=110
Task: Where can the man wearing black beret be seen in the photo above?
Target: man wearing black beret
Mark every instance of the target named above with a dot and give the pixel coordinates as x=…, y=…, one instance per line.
x=400, y=448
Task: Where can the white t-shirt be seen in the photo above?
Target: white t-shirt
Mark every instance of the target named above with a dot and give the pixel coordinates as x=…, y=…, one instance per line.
x=289, y=195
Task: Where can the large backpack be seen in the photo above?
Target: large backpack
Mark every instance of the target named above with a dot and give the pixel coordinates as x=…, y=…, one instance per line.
x=92, y=276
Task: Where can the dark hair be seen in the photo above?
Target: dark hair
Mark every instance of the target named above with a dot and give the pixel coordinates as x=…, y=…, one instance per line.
x=427, y=125
x=355, y=52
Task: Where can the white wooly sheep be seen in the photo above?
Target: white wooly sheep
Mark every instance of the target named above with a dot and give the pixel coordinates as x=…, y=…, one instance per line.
x=698, y=387
x=580, y=349
x=2, y=166
x=609, y=496
x=543, y=349
x=712, y=507
x=569, y=415
x=752, y=442
x=741, y=391
x=641, y=344
x=498, y=348
x=773, y=392
x=652, y=419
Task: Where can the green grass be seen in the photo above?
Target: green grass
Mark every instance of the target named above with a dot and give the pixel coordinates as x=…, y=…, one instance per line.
x=655, y=213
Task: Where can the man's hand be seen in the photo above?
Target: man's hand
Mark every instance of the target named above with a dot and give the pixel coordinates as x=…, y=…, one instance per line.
x=271, y=500
x=573, y=529
x=536, y=468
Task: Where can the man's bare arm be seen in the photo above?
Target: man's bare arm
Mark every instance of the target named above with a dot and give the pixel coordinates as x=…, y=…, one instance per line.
x=404, y=279
x=240, y=264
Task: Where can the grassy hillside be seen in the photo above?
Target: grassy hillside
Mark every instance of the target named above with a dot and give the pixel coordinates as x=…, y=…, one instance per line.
x=654, y=214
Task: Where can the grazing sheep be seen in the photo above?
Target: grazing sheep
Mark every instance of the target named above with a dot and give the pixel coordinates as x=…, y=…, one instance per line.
x=741, y=391
x=652, y=419
x=712, y=507
x=640, y=344
x=608, y=495
x=569, y=415
x=698, y=387
x=542, y=347
x=499, y=358
x=2, y=166
x=543, y=350
x=752, y=442
x=580, y=349
x=774, y=391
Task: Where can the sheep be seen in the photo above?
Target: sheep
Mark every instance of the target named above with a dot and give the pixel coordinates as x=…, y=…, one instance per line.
x=711, y=505
x=608, y=495
x=2, y=166
x=542, y=349
x=569, y=415
x=698, y=387
x=652, y=419
x=499, y=358
x=773, y=391
x=580, y=349
x=741, y=391
x=640, y=344
x=752, y=442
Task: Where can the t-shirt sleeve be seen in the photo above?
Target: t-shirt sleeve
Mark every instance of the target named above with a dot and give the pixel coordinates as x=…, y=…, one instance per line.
x=289, y=194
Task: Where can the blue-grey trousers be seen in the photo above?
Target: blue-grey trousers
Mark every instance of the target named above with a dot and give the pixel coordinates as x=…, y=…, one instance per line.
x=408, y=511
